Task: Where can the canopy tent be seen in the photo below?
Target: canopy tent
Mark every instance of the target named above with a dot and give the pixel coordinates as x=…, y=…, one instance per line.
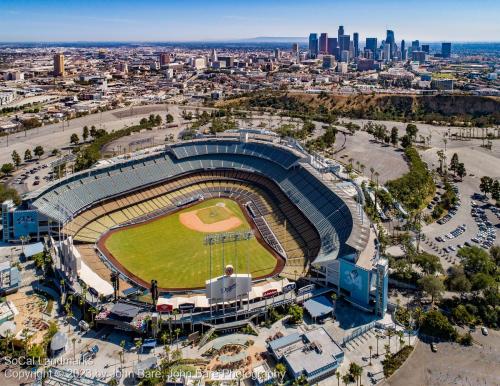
x=124, y=310
x=93, y=280
x=8, y=328
x=59, y=341
x=33, y=249
x=318, y=307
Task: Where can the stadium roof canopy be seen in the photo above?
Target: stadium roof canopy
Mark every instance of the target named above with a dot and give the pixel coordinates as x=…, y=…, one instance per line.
x=318, y=306
x=125, y=310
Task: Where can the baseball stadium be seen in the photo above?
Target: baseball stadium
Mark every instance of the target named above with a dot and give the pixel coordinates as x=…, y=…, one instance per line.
x=283, y=215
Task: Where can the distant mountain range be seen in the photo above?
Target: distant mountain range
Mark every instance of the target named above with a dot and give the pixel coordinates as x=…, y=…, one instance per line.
x=277, y=39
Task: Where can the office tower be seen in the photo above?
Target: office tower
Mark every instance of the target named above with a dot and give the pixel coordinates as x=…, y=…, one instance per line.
x=425, y=48
x=403, y=50
x=340, y=32
x=228, y=60
x=295, y=48
x=387, y=51
x=313, y=45
x=415, y=45
x=277, y=53
x=164, y=59
x=355, y=38
x=371, y=44
x=344, y=56
x=344, y=42
x=213, y=56
x=391, y=42
x=419, y=56
x=333, y=46
x=328, y=61
x=445, y=50
x=323, y=43
x=59, y=64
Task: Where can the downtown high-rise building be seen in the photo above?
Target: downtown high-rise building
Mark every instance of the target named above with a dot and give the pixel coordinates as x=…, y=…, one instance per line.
x=344, y=42
x=323, y=43
x=426, y=48
x=415, y=45
x=333, y=47
x=59, y=64
x=340, y=32
x=164, y=59
x=313, y=45
x=355, y=39
x=403, y=50
x=446, y=50
x=371, y=44
x=391, y=42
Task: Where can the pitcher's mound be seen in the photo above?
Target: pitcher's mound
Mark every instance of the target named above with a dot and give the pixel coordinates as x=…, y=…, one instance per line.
x=212, y=219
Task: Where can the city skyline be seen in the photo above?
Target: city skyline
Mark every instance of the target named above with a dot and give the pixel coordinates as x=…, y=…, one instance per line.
x=58, y=21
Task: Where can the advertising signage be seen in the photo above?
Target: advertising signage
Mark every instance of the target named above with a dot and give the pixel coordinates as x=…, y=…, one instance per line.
x=306, y=289
x=289, y=287
x=186, y=306
x=227, y=288
x=164, y=308
x=270, y=292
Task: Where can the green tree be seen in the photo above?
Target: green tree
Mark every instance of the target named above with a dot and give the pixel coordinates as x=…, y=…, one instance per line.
x=394, y=136
x=430, y=264
x=85, y=133
x=7, y=168
x=16, y=158
x=433, y=286
x=405, y=141
x=486, y=184
x=454, y=162
x=476, y=260
x=296, y=313
x=434, y=323
x=461, y=172
x=74, y=139
x=27, y=155
x=411, y=131
x=170, y=118
x=495, y=190
x=38, y=151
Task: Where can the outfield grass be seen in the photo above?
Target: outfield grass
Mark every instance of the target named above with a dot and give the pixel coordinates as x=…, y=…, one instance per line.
x=176, y=256
x=214, y=214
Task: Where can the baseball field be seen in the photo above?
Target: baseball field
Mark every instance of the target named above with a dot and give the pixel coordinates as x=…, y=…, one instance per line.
x=171, y=249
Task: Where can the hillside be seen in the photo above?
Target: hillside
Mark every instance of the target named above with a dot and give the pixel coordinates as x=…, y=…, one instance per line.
x=481, y=111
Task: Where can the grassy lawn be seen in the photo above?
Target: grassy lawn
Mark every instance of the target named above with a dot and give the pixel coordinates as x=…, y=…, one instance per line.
x=176, y=256
x=214, y=214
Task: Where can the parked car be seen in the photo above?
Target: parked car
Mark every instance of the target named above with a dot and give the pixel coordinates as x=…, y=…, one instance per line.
x=434, y=347
x=484, y=331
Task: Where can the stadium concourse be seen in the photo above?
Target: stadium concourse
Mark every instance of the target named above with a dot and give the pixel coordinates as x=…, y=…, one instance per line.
x=298, y=206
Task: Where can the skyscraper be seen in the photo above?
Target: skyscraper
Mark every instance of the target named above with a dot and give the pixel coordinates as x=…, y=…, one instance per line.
x=426, y=48
x=445, y=50
x=164, y=59
x=340, y=32
x=59, y=64
x=323, y=43
x=403, y=50
x=313, y=45
x=371, y=44
x=389, y=40
x=333, y=46
x=295, y=48
x=344, y=42
x=415, y=45
x=355, y=38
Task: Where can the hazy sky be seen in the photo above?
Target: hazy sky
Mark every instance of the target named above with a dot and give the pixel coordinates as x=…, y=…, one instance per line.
x=166, y=20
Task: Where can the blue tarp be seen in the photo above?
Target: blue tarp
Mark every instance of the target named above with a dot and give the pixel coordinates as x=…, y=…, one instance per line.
x=33, y=249
x=318, y=306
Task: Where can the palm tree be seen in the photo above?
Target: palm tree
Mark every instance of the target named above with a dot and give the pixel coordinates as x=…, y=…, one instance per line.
x=372, y=170
x=389, y=334
x=177, y=332
x=73, y=340
x=122, y=353
x=138, y=345
x=370, y=348
x=337, y=374
x=346, y=379
x=333, y=296
x=377, y=337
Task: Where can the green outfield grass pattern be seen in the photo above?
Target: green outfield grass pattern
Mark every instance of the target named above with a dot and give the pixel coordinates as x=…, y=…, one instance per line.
x=176, y=256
